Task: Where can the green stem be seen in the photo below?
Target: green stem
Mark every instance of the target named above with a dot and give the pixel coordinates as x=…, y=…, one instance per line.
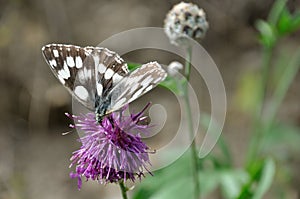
x=274, y=105
x=124, y=189
x=190, y=123
x=187, y=68
x=283, y=85
x=260, y=127
x=257, y=126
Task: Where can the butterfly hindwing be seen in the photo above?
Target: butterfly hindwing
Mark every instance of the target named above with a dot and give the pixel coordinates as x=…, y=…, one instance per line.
x=110, y=69
x=136, y=84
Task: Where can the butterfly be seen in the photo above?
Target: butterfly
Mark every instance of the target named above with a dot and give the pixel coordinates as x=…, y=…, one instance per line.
x=99, y=78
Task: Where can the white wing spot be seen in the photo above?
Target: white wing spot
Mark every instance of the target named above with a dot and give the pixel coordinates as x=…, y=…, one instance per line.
x=84, y=75
x=137, y=94
x=78, y=61
x=61, y=79
x=55, y=53
x=70, y=61
x=81, y=92
x=101, y=68
x=108, y=74
x=53, y=63
x=67, y=71
x=99, y=89
x=147, y=81
x=116, y=78
x=63, y=74
x=96, y=59
x=88, y=52
x=109, y=54
x=133, y=88
x=81, y=76
x=148, y=88
x=87, y=73
x=124, y=68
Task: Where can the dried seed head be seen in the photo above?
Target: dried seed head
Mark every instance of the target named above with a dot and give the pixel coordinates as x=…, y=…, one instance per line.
x=174, y=67
x=185, y=20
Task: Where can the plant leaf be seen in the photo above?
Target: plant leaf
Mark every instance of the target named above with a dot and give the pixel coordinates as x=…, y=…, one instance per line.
x=268, y=35
x=133, y=66
x=266, y=179
x=262, y=174
x=173, y=85
x=232, y=182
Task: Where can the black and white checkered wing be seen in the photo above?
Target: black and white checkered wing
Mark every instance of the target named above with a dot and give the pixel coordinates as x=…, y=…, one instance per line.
x=110, y=69
x=136, y=84
x=87, y=72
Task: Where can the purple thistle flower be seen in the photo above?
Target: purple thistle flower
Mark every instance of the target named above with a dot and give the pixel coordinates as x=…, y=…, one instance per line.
x=112, y=151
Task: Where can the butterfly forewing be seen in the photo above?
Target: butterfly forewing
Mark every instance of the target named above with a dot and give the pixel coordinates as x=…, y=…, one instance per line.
x=137, y=83
x=87, y=72
x=77, y=73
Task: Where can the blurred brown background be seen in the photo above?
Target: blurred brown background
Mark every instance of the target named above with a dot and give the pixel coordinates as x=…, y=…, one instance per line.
x=33, y=153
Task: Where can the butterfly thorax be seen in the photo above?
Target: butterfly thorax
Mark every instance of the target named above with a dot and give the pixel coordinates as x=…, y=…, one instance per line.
x=101, y=107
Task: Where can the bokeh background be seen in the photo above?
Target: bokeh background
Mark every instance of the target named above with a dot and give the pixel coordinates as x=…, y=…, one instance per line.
x=34, y=156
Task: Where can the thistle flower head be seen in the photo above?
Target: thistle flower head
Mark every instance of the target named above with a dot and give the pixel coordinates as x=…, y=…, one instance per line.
x=185, y=20
x=112, y=151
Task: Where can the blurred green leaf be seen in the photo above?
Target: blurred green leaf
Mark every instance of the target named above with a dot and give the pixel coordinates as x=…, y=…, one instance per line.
x=266, y=179
x=164, y=177
x=282, y=139
x=280, y=22
x=173, y=84
x=262, y=174
x=226, y=159
x=181, y=187
x=296, y=21
x=276, y=11
x=281, y=18
x=176, y=181
x=232, y=181
x=287, y=77
x=209, y=180
x=133, y=66
x=287, y=23
x=268, y=35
